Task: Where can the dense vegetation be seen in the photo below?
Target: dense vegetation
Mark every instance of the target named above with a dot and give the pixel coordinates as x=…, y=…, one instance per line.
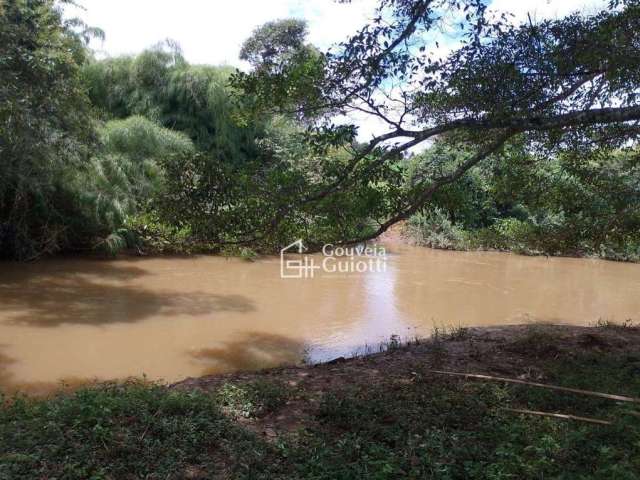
x=45, y=128
x=533, y=131
x=572, y=204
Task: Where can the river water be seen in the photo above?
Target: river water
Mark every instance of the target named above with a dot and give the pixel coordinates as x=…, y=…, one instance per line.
x=76, y=320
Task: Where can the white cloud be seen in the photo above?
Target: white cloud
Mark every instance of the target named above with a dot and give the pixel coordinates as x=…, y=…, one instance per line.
x=212, y=31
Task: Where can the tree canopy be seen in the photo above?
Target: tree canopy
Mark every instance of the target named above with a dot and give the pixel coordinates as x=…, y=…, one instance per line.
x=495, y=133
x=46, y=127
x=558, y=86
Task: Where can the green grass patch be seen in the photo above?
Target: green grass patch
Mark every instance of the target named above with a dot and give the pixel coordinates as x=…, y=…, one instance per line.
x=456, y=430
x=418, y=426
x=120, y=432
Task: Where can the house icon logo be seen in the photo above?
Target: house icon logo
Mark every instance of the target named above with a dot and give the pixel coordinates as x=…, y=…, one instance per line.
x=295, y=247
x=302, y=266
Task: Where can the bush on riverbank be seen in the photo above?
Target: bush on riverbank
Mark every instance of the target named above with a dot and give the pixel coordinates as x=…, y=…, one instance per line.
x=435, y=230
x=348, y=421
x=530, y=204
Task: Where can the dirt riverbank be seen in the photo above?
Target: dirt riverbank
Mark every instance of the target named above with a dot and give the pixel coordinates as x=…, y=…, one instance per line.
x=520, y=351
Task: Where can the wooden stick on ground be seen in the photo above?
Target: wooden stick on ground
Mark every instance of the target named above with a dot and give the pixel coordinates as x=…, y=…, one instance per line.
x=620, y=398
x=559, y=415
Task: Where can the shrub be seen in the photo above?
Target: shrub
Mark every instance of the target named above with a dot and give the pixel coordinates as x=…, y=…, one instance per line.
x=433, y=229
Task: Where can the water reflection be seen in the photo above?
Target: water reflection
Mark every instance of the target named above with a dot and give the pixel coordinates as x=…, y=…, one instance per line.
x=102, y=304
x=88, y=296
x=170, y=318
x=378, y=319
x=252, y=350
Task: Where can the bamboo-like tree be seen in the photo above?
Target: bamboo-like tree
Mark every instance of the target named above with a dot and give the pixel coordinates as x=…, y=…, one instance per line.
x=46, y=128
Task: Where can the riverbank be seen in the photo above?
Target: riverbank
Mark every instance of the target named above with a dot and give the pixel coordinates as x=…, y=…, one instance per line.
x=509, y=237
x=388, y=415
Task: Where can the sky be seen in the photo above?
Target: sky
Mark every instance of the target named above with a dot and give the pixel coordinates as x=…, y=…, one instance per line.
x=212, y=31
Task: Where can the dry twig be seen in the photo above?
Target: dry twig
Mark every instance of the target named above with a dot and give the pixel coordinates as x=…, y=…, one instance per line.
x=619, y=398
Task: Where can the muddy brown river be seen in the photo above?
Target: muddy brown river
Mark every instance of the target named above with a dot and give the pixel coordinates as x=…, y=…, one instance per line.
x=77, y=320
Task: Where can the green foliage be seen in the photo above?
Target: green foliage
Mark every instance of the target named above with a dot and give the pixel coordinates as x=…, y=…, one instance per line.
x=125, y=172
x=580, y=203
x=554, y=88
x=66, y=182
x=192, y=158
x=159, y=237
x=511, y=234
x=430, y=428
x=160, y=85
x=119, y=431
x=285, y=69
x=434, y=229
x=231, y=204
x=118, y=241
x=142, y=139
x=45, y=126
x=274, y=44
x=467, y=201
x=248, y=254
x=117, y=182
x=215, y=192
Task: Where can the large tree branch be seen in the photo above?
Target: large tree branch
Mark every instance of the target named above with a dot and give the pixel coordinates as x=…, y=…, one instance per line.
x=605, y=115
x=373, y=63
x=534, y=122
x=570, y=90
x=517, y=124
x=415, y=204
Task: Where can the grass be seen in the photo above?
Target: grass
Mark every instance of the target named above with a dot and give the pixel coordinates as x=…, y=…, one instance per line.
x=417, y=425
x=451, y=332
x=443, y=429
x=397, y=342
x=118, y=432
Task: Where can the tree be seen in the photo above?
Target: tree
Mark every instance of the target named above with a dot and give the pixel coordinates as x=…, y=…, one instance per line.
x=278, y=49
x=577, y=203
x=161, y=86
x=275, y=44
x=45, y=124
x=125, y=172
x=556, y=86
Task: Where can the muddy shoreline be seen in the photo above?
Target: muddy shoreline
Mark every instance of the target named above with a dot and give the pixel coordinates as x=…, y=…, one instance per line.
x=514, y=351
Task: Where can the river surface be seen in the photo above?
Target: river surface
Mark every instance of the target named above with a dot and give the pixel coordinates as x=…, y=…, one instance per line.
x=77, y=320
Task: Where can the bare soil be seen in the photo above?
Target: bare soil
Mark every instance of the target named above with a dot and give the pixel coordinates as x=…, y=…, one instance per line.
x=518, y=351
